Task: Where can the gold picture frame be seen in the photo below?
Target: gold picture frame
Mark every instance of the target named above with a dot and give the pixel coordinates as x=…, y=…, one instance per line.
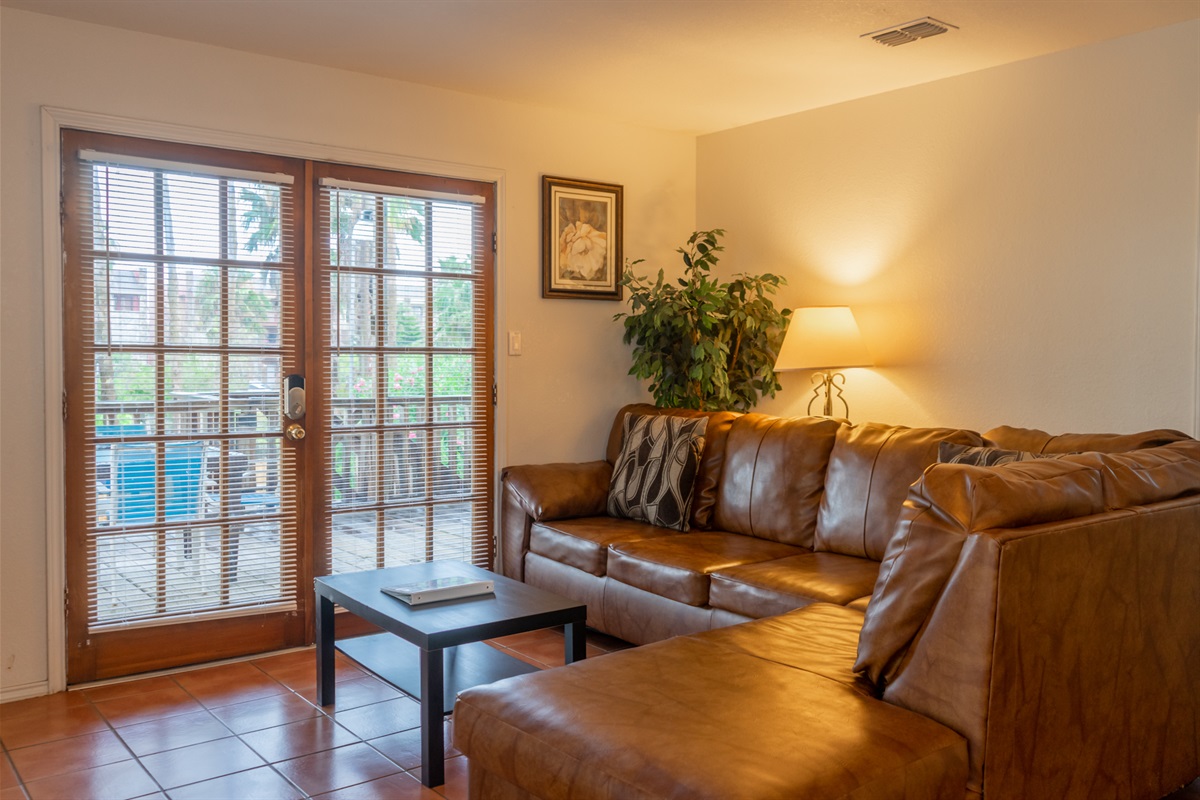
x=581, y=239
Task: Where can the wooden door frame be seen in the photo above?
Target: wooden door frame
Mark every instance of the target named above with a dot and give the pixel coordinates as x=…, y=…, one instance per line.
x=124, y=650
x=53, y=120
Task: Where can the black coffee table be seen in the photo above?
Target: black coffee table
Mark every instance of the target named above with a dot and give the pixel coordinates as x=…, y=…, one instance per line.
x=434, y=651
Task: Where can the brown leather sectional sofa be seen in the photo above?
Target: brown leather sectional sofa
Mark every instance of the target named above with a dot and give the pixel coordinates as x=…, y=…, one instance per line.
x=911, y=629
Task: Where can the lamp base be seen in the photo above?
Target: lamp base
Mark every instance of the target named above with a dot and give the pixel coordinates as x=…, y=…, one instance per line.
x=829, y=382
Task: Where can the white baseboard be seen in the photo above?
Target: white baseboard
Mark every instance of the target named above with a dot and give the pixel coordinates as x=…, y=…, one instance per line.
x=24, y=691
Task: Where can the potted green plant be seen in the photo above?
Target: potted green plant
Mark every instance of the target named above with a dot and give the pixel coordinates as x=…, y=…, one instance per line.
x=704, y=344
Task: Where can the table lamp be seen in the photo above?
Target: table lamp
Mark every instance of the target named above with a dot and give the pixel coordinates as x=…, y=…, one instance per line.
x=824, y=338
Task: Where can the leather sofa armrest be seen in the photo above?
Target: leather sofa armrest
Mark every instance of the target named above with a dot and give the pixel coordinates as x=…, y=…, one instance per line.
x=536, y=492
x=1035, y=623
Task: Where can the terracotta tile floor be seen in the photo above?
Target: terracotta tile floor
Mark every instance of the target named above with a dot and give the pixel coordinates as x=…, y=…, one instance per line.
x=243, y=731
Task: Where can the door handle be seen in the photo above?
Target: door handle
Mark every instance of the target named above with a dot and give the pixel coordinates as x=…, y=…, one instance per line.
x=293, y=397
x=295, y=431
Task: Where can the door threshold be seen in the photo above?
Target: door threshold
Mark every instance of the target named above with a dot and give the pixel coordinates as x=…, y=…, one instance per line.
x=76, y=687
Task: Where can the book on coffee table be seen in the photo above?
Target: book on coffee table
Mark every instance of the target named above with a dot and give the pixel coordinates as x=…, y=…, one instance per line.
x=430, y=591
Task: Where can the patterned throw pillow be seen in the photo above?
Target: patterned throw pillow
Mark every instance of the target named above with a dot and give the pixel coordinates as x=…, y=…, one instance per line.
x=655, y=473
x=949, y=453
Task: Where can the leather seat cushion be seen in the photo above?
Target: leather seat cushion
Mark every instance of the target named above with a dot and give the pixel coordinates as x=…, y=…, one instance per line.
x=860, y=604
x=678, y=567
x=583, y=543
x=774, y=587
x=770, y=716
x=821, y=638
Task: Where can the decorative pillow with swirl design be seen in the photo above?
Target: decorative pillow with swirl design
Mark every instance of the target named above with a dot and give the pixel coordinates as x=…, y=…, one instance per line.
x=655, y=474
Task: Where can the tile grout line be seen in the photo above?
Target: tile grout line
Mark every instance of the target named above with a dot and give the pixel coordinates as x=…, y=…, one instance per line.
x=124, y=744
x=234, y=734
x=111, y=727
x=272, y=765
x=115, y=730
x=13, y=766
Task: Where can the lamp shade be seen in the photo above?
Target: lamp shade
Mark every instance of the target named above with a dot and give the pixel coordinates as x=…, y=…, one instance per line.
x=822, y=337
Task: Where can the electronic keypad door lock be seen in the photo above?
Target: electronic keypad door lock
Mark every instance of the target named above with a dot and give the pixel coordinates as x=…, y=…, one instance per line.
x=293, y=397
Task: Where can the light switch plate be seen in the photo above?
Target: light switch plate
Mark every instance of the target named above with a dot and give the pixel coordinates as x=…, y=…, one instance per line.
x=514, y=343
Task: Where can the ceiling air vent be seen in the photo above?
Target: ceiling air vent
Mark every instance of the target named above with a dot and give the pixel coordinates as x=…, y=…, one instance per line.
x=921, y=28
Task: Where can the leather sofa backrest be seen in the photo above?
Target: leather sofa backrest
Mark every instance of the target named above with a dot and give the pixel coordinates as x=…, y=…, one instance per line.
x=1144, y=477
x=774, y=477
x=712, y=460
x=1034, y=441
x=870, y=470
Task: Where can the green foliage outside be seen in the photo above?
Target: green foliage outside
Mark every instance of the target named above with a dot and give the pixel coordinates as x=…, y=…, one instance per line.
x=704, y=343
x=453, y=376
x=253, y=293
x=261, y=220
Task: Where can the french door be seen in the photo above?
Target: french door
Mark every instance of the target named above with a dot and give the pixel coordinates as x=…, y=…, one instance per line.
x=404, y=280
x=201, y=497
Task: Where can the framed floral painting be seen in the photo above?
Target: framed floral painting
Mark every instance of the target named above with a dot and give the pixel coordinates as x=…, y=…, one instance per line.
x=581, y=239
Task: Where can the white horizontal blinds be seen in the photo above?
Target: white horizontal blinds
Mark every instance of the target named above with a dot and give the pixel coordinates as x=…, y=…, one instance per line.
x=189, y=305
x=407, y=389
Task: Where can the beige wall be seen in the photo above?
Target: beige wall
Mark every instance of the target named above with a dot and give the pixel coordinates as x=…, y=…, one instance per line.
x=559, y=396
x=1019, y=244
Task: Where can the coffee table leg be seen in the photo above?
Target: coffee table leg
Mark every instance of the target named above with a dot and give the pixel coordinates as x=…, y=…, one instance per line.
x=433, y=746
x=325, y=651
x=575, y=634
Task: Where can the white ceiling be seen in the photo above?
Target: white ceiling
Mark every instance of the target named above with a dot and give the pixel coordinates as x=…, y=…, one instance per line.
x=685, y=65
